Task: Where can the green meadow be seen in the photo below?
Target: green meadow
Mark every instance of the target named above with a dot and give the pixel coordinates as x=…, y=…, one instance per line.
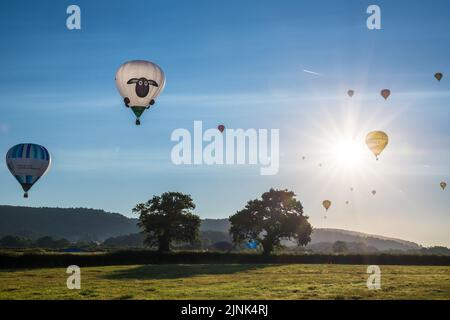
x=228, y=281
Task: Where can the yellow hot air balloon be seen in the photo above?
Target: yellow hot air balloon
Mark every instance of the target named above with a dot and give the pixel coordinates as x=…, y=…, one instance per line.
x=443, y=185
x=385, y=93
x=326, y=204
x=350, y=93
x=376, y=141
x=438, y=76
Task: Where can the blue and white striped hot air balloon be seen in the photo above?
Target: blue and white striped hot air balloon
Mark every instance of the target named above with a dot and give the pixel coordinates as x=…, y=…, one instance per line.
x=28, y=163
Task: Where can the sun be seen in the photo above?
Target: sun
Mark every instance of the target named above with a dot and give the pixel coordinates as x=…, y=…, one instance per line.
x=348, y=153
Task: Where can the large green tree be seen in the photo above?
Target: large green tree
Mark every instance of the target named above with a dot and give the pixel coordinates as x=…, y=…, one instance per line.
x=168, y=218
x=278, y=215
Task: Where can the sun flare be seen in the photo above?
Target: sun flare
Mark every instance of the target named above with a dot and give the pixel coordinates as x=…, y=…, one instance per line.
x=348, y=153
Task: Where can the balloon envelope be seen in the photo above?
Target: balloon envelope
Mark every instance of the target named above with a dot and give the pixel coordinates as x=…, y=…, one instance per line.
x=385, y=93
x=326, y=204
x=438, y=76
x=252, y=244
x=28, y=162
x=350, y=93
x=443, y=185
x=376, y=141
x=374, y=192
x=139, y=82
x=221, y=127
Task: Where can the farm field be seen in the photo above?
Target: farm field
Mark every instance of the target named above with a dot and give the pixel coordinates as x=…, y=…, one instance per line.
x=236, y=281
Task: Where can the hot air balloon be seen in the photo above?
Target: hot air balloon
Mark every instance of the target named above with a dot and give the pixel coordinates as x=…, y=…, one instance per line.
x=28, y=162
x=385, y=93
x=303, y=158
x=438, y=76
x=351, y=189
x=347, y=202
x=376, y=141
x=326, y=204
x=139, y=83
x=252, y=244
x=374, y=192
x=350, y=93
x=221, y=128
x=443, y=185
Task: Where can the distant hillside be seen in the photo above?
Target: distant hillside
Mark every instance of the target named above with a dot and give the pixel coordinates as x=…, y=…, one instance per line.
x=89, y=224
x=220, y=225
x=381, y=243
x=72, y=224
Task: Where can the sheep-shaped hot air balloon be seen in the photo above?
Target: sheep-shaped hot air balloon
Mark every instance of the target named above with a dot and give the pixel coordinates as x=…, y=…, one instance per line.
x=139, y=83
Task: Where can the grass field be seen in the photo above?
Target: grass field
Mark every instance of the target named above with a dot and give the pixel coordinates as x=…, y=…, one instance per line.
x=228, y=282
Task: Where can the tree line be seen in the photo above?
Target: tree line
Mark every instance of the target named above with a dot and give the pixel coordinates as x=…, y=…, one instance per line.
x=262, y=224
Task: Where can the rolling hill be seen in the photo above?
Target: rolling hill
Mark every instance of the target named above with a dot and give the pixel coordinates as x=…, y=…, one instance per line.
x=89, y=224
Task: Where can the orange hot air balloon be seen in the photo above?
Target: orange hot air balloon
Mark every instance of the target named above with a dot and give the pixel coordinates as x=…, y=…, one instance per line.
x=221, y=128
x=326, y=204
x=443, y=185
x=385, y=93
x=438, y=76
x=350, y=93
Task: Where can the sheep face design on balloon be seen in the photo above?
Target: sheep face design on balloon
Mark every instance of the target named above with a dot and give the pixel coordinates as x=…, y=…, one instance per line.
x=142, y=86
x=139, y=83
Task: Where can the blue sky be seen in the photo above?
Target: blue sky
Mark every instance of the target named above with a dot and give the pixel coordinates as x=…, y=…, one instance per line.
x=239, y=63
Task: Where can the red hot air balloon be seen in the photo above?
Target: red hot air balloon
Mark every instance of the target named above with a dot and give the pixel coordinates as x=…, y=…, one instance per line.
x=385, y=93
x=221, y=128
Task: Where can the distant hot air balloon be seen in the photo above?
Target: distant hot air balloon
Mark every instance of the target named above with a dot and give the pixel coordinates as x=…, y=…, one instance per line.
x=28, y=162
x=221, y=128
x=320, y=165
x=443, y=185
x=139, y=83
x=438, y=76
x=347, y=202
x=326, y=204
x=385, y=93
x=376, y=141
x=351, y=189
x=303, y=158
x=350, y=93
x=252, y=244
x=374, y=192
